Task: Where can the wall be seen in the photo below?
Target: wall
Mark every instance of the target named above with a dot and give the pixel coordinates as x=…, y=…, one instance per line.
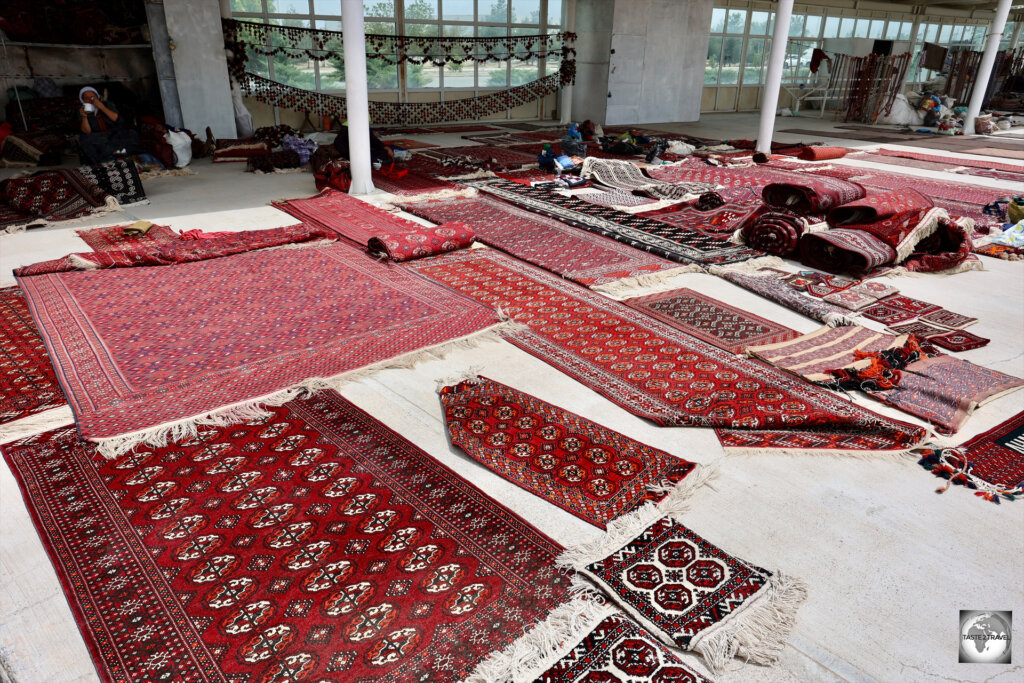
x=593, y=46
x=200, y=68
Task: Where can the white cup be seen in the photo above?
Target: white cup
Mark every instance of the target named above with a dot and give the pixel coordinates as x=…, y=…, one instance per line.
x=89, y=108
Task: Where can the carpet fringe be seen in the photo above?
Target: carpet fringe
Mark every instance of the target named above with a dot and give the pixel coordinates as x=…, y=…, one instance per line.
x=82, y=263
x=111, y=205
x=469, y=176
x=546, y=642
x=623, y=529
x=899, y=455
x=659, y=204
x=464, y=193
x=165, y=172
x=160, y=435
x=927, y=227
x=750, y=266
x=626, y=285
x=838, y=320
x=966, y=266
x=38, y=423
x=471, y=375
x=759, y=629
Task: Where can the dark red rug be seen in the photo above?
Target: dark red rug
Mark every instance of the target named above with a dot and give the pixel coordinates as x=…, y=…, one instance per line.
x=28, y=384
x=311, y=545
x=112, y=238
x=582, y=467
x=992, y=462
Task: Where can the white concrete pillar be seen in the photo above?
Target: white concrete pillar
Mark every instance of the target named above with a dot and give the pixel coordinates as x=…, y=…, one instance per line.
x=773, y=79
x=357, y=100
x=569, y=22
x=995, y=34
x=1015, y=40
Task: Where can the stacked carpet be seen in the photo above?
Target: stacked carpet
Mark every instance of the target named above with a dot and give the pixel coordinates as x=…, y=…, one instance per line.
x=721, y=221
x=313, y=543
x=572, y=253
x=175, y=349
x=812, y=355
x=652, y=370
x=119, y=179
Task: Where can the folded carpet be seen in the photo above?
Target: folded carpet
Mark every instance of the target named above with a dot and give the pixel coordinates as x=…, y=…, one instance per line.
x=772, y=288
x=654, y=371
x=151, y=350
x=845, y=250
x=721, y=221
x=113, y=238
x=235, y=149
x=718, y=323
x=812, y=355
x=811, y=194
x=689, y=592
x=346, y=215
x=667, y=241
x=625, y=175
x=49, y=196
x=778, y=232
x=814, y=153
x=572, y=253
x=888, y=208
x=992, y=462
x=313, y=543
x=28, y=384
x=119, y=179
x=582, y=467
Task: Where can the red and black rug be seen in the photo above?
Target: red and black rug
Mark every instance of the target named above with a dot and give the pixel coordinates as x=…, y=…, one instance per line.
x=28, y=384
x=992, y=462
x=311, y=545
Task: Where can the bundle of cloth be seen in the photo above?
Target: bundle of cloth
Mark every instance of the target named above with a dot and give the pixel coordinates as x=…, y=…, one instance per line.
x=625, y=175
x=894, y=228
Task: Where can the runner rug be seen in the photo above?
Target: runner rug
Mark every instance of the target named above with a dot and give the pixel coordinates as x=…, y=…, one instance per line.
x=992, y=462
x=112, y=238
x=582, y=467
x=574, y=254
x=689, y=592
x=313, y=544
x=27, y=382
x=715, y=322
x=145, y=348
x=667, y=241
x=654, y=371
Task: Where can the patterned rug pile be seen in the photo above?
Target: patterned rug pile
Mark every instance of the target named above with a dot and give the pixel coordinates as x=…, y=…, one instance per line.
x=311, y=544
x=654, y=371
x=28, y=384
x=575, y=254
x=174, y=347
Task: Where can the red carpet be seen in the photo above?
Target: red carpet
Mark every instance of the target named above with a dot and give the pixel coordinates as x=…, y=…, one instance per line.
x=344, y=214
x=311, y=545
x=141, y=347
x=112, y=237
x=27, y=382
x=656, y=372
x=992, y=462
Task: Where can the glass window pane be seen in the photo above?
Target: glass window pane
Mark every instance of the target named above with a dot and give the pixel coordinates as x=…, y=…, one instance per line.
x=831, y=27
x=380, y=75
x=247, y=6
x=812, y=26
x=737, y=21
x=892, y=30
x=288, y=7
x=552, y=65
x=732, y=51
x=718, y=20
x=524, y=72
x=876, y=29
x=862, y=28
x=494, y=11
x=944, y=34
x=525, y=11
x=905, y=28
x=958, y=34
x=331, y=7
x=714, y=59
x=755, y=52
x=379, y=8
x=554, y=12
x=758, y=23
x=421, y=9
x=458, y=10
x=846, y=27
x=932, y=33
x=422, y=76
x=796, y=26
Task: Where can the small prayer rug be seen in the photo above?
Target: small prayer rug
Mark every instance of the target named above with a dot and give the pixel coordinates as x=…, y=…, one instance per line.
x=119, y=178
x=689, y=592
x=948, y=319
x=992, y=462
x=112, y=238
x=944, y=390
x=918, y=329
x=503, y=139
x=463, y=128
x=830, y=348
x=718, y=323
x=310, y=544
x=657, y=372
x=137, y=348
x=850, y=299
x=874, y=288
x=670, y=242
x=906, y=303
x=959, y=340
x=28, y=384
x=886, y=314
x=582, y=467
x=616, y=649
x=574, y=254
x=819, y=284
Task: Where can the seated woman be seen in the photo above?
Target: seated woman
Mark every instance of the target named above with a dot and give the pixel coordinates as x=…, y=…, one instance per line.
x=102, y=134
x=379, y=152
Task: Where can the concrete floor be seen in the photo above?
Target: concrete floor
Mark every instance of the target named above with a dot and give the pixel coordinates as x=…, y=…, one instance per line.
x=889, y=563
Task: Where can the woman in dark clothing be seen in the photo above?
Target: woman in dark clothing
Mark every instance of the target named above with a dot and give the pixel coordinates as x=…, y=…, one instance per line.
x=378, y=150
x=102, y=136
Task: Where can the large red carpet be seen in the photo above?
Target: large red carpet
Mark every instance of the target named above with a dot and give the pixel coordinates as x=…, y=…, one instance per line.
x=311, y=545
x=136, y=348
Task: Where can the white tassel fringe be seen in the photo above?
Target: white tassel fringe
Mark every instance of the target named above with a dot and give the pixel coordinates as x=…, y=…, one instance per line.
x=625, y=287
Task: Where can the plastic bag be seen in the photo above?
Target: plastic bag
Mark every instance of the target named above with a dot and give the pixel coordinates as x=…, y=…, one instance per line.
x=181, y=143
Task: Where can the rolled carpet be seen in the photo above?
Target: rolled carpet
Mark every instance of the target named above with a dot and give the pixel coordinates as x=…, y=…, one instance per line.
x=888, y=206
x=821, y=153
x=398, y=245
x=816, y=194
x=778, y=233
x=844, y=250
